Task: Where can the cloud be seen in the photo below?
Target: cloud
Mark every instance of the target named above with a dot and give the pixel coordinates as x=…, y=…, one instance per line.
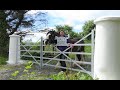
x=78, y=28
x=74, y=18
x=77, y=15
x=80, y=16
x=32, y=12
x=73, y=15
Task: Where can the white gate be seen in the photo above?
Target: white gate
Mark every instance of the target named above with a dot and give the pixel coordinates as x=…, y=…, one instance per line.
x=41, y=60
x=28, y=51
x=69, y=60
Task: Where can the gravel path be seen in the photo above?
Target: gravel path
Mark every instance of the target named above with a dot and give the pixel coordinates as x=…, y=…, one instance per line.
x=7, y=70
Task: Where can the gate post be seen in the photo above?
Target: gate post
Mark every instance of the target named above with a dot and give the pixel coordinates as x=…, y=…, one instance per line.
x=107, y=48
x=41, y=53
x=14, y=49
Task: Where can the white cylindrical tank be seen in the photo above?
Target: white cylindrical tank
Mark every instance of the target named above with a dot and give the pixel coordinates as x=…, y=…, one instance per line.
x=107, y=48
x=14, y=49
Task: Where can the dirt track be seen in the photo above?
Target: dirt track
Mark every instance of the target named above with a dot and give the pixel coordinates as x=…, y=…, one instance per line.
x=7, y=70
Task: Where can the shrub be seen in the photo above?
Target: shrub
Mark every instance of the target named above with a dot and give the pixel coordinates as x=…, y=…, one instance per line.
x=2, y=60
x=71, y=76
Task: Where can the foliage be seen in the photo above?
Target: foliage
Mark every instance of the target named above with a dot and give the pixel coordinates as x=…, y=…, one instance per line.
x=88, y=48
x=76, y=76
x=14, y=75
x=68, y=30
x=2, y=60
x=26, y=72
x=72, y=56
x=10, y=22
x=87, y=27
x=3, y=34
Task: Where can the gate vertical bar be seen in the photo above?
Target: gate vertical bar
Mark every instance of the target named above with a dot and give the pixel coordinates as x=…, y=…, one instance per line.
x=41, y=53
x=92, y=51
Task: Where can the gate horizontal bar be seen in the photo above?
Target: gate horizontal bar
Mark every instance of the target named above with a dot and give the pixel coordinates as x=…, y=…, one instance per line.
x=69, y=52
x=29, y=56
x=29, y=45
x=30, y=50
x=75, y=45
x=57, y=59
x=80, y=62
x=88, y=72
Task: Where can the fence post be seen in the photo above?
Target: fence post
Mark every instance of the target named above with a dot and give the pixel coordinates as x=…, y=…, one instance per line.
x=14, y=49
x=92, y=51
x=41, y=53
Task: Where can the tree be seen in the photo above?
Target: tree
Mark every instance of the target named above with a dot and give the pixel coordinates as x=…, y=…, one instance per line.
x=4, y=38
x=68, y=30
x=88, y=26
x=10, y=22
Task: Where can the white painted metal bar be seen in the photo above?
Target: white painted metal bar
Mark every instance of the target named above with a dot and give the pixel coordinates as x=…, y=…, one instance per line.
x=80, y=62
x=36, y=63
x=78, y=41
x=88, y=72
x=55, y=56
x=84, y=38
x=71, y=60
x=56, y=59
x=70, y=47
x=57, y=66
x=30, y=45
x=60, y=52
x=79, y=66
x=78, y=45
x=30, y=54
x=69, y=52
x=41, y=53
x=81, y=44
x=74, y=62
x=78, y=53
x=92, y=56
x=69, y=69
x=31, y=50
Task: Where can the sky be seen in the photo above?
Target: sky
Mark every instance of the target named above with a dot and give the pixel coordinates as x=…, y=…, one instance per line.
x=74, y=18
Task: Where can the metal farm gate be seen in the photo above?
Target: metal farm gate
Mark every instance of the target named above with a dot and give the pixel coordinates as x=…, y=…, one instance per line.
x=42, y=58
